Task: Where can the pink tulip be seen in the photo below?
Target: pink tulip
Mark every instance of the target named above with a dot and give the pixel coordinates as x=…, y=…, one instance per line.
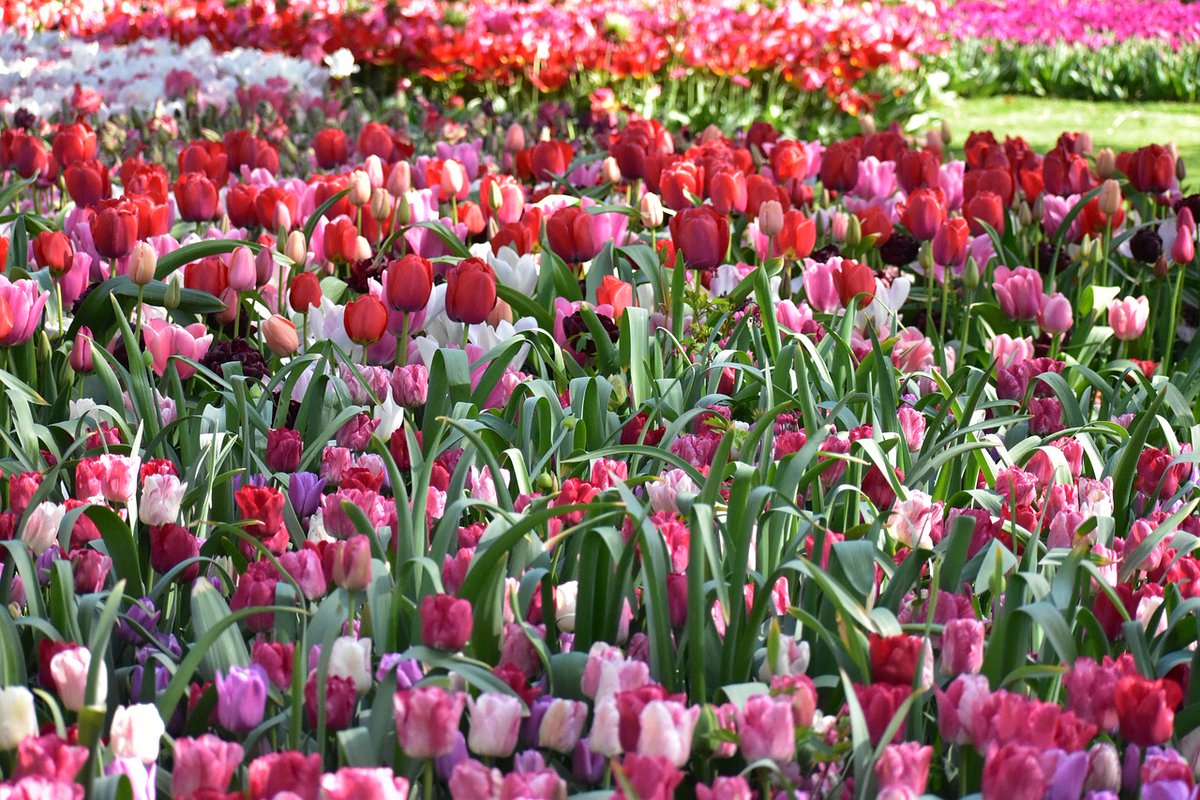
x=962, y=647
x=363, y=783
x=819, y=288
x=562, y=725
x=204, y=765
x=164, y=339
x=1128, y=317
x=1019, y=292
x=1008, y=351
x=767, y=729
x=427, y=720
x=495, y=723
x=904, y=766
x=26, y=302
x=1055, y=315
x=667, y=728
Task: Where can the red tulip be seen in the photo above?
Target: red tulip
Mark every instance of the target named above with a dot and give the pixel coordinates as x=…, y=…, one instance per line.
x=115, y=228
x=331, y=147
x=1066, y=173
x=788, y=160
x=29, y=156
x=702, y=235
x=73, y=142
x=241, y=205
x=760, y=189
x=614, y=292
x=896, y=659
x=875, y=222
x=984, y=207
x=171, y=545
x=678, y=181
x=571, y=234
x=728, y=191
x=207, y=157
x=267, y=199
x=365, y=320
x=852, y=279
x=53, y=250
x=950, y=242
x=550, y=158
x=87, y=182
x=924, y=213
x=470, y=291
x=305, y=292
x=839, y=166
x=262, y=507
x=798, y=236
x=408, y=283
x=997, y=181
x=1150, y=169
x=1146, y=709
x=196, y=197
x=918, y=169
x=207, y=275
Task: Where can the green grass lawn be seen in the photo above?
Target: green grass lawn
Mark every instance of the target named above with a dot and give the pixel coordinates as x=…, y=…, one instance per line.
x=1121, y=126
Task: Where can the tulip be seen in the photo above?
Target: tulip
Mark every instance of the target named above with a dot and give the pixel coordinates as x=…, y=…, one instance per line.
x=40, y=531
x=562, y=725
x=162, y=496
x=1183, y=249
x=408, y=283
x=904, y=766
x=87, y=182
x=1109, y=198
x=410, y=385
x=984, y=207
x=54, y=251
x=1055, y=315
x=770, y=218
x=767, y=729
x=350, y=658
x=170, y=546
x=470, y=291
x=950, y=242
x=115, y=229
x=196, y=197
x=339, y=701
x=70, y=671
x=365, y=320
x=164, y=340
x=399, y=181
x=667, y=729
x=243, y=272
x=203, y=766
x=550, y=159
x=1128, y=317
x=839, y=166
x=241, y=698
x=1150, y=169
x=571, y=232
x=728, y=191
x=279, y=333
x=798, y=235
x=143, y=264
x=962, y=647
x=18, y=718
x=1014, y=772
x=352, y=563
x=924, y=213
x=651, y=211
x=288, y=772
x=136, y=732
x=305, y=292
x=427, y=720
x=853, y=279
x=614, y=292
x=495, y=723
x=701, y=235
x=445, y=622
x=1019, y=292
x=363, y=783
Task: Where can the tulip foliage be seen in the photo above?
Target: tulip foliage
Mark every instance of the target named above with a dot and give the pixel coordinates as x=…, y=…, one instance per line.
x=447, y=462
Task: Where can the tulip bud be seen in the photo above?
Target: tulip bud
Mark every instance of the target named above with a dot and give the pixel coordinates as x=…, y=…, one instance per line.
x=264, y=266
x=514, y=138
x=925, y=257
x=400, y=179
x=174, y=295
x=18, y=717
x=652, y=211
x=373, y=166
x=839, y=222
x=44, y=348
x=1180, y=170
x=946, y=138
x=1024, y=214
x=81, y=350
x=853, y=231
x=404, y=210
x=242, y=270
x=142, y=264
x=933, y=140
x=1162, y=267
x=609, y=171
x=1106, y=163
x=970, y=276
x=866, y=124
x=230, y=298
x=381, y=205
x=360, y=188
x=282, y=220
x=1104, y=769
x=296, y=248
x=1173, y=149
x=1109, y=199
x=362, y=248
x=280, y=335
x=770, y=218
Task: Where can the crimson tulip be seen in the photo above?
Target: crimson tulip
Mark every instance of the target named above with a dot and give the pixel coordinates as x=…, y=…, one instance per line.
x=470, y=291
x=115, y=229
x=853, y=279
x=702, y=235
x=365, y=320
x=408, y=283
x=196, y=197
x=572, y=235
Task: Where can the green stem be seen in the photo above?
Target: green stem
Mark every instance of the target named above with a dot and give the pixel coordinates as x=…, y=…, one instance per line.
x=402, y=342
x=1175, y=309
x=429, y=779
x=466, y=336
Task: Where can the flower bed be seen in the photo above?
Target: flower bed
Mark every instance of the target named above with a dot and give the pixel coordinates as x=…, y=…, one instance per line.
x=613, y=461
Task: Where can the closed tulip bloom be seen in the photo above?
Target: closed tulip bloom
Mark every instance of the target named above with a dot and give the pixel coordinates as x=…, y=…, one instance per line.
x=352, y=563
x=984, y=207
x=1018, y=291
x=667, y=728
x=470, y=291
x=767, y=729
x=26, y=300
x=427, y=720
x=331, y=148
x=243, y=272
x=1056, y=315
x=852, y=279
x=171, y=545
x=87, y=182
x=115, y=229
x=54, y=251
x=924, y=213
x=495, y=723
x=70, y=671
x=40, y=531
x=651, y=211
x=728, y=191
x=81, y=350
x=203, y=765
x=962, y=647
x=445, y=622
x=136, y=732
x=29, y=156
x=408, y=283
x=904, y=766
x=798, y=235
x=162, y=496
x=770, y=218
x=562, y=725
x=1183, y=249
x=702, y=235
x=1150, y=169
x=241, y=698
x=18, y=718
x=950, y=242
x=196, y=197
x=365, y=320
x=143, y=263
x=279, y=333
x=572, y=235
x=287, y=772
x=305, y=292
x=549, y=159
x=615, y=292
x=1128, y=317
x=350, y=658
